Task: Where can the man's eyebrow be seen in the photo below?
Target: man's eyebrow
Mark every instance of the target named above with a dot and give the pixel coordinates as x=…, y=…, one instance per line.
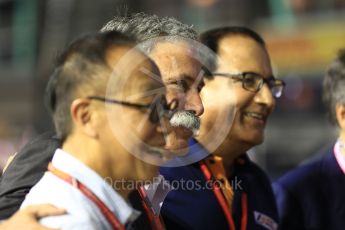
x=187, y=78
x=151, y=75
x=147, y=91
x=255, y=72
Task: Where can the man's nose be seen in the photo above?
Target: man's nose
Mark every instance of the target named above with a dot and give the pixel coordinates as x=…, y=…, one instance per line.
x=264, y=96
x=194, y=103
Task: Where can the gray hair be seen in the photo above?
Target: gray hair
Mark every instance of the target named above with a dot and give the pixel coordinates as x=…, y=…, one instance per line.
x=148, y=27
x=334, y=86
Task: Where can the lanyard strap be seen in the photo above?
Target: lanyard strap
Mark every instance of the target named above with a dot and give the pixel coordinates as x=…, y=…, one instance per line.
x=109, y=215
x=222, y=202
x=216, y=167
x=155, y=220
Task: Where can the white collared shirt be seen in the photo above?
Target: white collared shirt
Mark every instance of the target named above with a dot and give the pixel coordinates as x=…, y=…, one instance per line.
x=82, y=212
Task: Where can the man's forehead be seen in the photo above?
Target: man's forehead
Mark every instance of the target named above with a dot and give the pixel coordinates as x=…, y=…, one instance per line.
x=239, y=53
x=145, y=80
x=240, y=45
x=176, y=63
x=134, y=69
x=176, y=48
x=115, y=53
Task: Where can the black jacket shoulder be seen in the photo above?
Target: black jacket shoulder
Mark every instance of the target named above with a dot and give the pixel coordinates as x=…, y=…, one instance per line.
x=26, y=169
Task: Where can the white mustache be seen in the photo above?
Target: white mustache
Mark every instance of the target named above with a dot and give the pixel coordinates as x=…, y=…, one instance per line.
x=185, y=119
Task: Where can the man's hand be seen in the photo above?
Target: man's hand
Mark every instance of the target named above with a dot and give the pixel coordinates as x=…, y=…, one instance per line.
x=28, y=217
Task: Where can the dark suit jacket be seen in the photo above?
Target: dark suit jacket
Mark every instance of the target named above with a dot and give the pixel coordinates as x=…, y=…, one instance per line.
x=191, y=209
x=26, y=169
x=312, y=196
x=195, y=207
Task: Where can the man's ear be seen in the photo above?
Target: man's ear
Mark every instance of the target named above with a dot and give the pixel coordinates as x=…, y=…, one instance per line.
x=81, y=114
x=340, y=114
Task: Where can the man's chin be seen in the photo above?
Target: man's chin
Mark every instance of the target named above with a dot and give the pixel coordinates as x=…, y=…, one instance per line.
x=177, y=141
x=256, y=140
x=178, y=147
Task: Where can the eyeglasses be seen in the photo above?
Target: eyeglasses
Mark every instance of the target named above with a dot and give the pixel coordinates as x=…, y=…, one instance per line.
x=158, y=108
x=253, y=82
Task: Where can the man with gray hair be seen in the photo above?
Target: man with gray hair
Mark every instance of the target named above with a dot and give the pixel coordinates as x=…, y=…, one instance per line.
x=85, y=171
x=226, y=190
x=170, y=44
x=312, y=196
x=181, y=74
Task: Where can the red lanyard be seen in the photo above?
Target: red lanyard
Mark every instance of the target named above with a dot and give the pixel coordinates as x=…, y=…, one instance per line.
x=222, y=202
x=156, y=222
x=113, y=221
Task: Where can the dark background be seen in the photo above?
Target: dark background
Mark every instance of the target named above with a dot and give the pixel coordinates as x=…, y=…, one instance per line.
x=302, y=36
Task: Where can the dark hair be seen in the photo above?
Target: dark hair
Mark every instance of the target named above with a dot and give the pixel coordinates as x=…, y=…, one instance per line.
x=144, y=27
x=334, y=86
x=212, y=37
x=79, y=66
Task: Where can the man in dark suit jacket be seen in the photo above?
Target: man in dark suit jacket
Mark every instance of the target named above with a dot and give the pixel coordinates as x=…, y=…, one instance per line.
x=183, y=86
x=312, y=195
x=233, y=192
x=25, y=170
x=252, y=205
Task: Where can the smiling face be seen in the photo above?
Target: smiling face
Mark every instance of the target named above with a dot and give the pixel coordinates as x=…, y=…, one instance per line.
x=181, y=76
x=241, y=54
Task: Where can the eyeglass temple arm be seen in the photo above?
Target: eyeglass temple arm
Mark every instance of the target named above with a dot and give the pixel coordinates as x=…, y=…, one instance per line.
x=107, y=100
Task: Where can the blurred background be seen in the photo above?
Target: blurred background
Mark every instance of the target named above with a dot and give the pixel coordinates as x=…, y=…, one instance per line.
x=303, y=36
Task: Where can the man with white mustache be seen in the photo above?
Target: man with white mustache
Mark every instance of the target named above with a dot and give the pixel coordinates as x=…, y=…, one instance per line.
x=168, y=43
x=183, y=85
x=226, y=190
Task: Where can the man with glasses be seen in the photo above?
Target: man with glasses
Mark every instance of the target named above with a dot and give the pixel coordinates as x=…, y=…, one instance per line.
x=86, y=96
x=183, y=82
x=170, y=44
x=235, y=192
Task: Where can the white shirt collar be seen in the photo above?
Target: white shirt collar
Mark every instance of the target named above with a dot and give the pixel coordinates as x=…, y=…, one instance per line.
x=75, y=168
